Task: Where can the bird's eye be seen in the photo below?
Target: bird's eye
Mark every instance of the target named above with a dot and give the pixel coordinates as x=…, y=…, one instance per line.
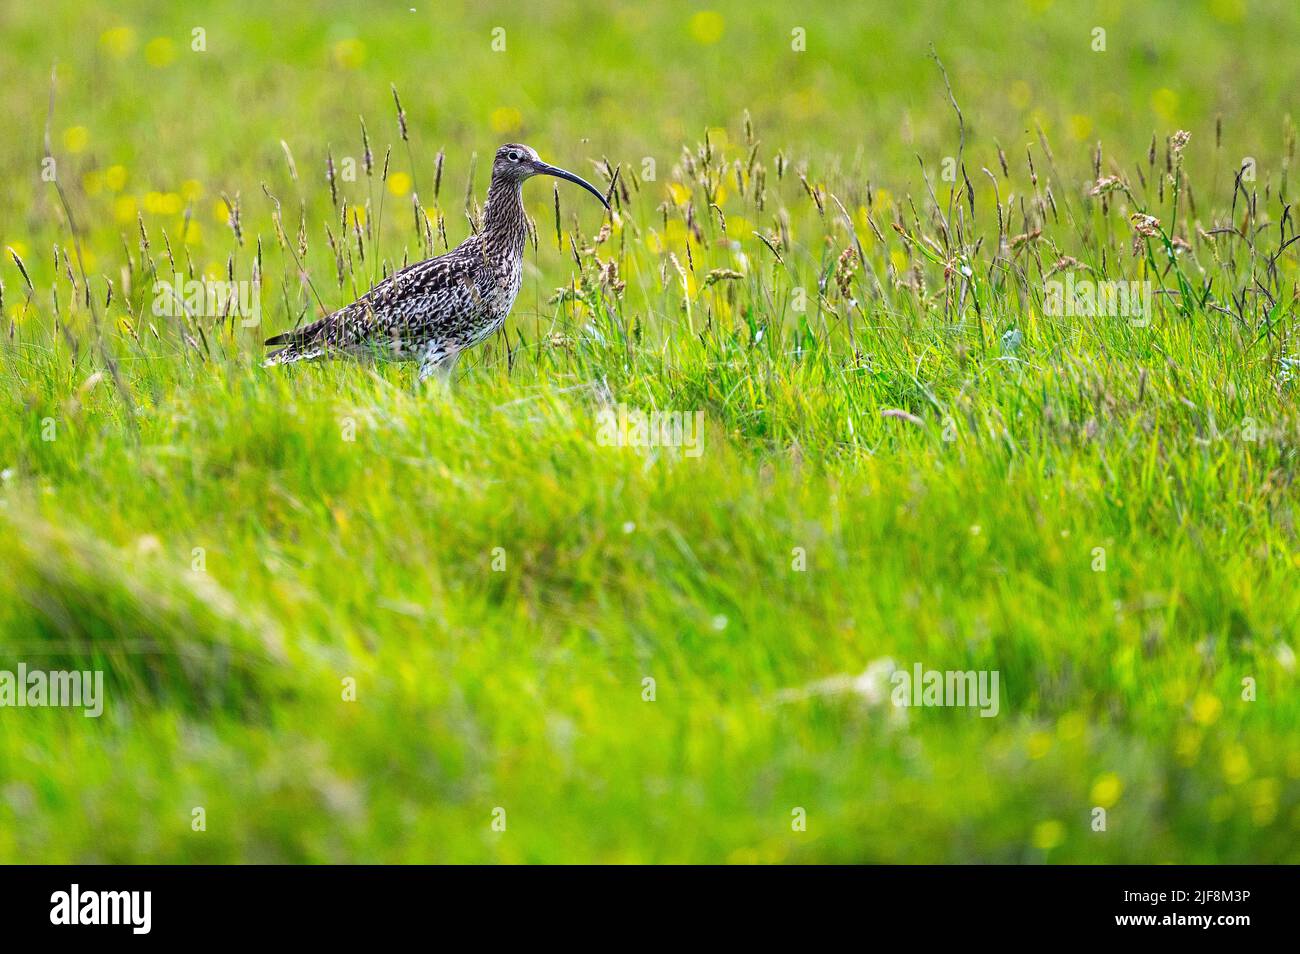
x=512, y=156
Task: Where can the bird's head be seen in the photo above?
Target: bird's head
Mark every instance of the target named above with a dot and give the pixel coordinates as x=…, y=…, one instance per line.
x=516, y=162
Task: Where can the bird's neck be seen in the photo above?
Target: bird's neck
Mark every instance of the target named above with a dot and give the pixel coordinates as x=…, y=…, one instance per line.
x=504, y=224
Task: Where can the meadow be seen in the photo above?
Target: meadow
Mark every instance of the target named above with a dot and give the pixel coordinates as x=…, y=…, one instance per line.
x=343, y=618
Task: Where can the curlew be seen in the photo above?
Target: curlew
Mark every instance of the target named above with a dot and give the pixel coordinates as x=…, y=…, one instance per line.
x=433, y=310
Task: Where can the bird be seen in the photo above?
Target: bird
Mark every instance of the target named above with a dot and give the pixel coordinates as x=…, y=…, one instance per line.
x=432, y=311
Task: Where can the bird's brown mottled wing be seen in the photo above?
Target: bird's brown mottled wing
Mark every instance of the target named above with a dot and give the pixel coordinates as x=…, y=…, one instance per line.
x=401, y=315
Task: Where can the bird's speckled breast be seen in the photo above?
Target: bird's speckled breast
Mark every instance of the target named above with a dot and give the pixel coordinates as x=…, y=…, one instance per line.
x=502, y=288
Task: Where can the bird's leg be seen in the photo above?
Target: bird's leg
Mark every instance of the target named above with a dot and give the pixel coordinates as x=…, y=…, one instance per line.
x=438, y=361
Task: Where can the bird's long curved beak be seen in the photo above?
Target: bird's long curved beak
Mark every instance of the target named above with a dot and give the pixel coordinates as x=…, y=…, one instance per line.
x=549, y=170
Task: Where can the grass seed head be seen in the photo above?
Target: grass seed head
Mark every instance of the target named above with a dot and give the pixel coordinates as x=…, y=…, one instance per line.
x=367, y=157
x=401, y=115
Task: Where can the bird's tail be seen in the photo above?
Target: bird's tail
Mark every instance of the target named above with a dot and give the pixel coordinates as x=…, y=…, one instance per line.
x=292, y=354
x=297, y=347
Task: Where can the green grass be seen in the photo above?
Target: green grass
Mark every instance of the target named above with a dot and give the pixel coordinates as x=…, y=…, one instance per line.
x=351, y=527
